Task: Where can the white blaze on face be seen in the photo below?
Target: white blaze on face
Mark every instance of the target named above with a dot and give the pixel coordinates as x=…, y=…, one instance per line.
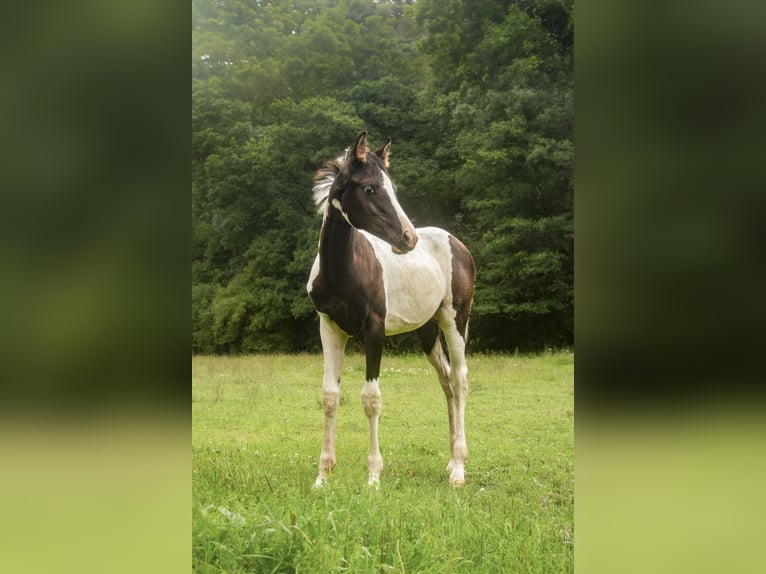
x=389, y=187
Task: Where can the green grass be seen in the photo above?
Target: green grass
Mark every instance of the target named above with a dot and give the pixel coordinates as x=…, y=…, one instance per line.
x=257, y=432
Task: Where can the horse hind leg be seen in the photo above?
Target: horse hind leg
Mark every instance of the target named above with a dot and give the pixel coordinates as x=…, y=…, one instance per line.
x=431, y=342
x=453, y=376
x=458, y=383
x=453, y=321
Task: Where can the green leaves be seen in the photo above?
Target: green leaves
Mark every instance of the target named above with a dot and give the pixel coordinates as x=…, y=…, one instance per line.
x=478, y=98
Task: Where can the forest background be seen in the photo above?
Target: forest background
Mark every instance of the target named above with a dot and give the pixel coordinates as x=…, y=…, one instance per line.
x=479, y=100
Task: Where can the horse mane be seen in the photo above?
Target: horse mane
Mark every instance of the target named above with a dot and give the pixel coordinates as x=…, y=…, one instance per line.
x=324, y=178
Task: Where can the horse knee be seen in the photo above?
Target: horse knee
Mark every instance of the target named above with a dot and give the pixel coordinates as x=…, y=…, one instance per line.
x=330, y=402
x=372, y=402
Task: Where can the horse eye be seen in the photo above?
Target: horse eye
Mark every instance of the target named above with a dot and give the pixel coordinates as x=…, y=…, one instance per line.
x=369, y=190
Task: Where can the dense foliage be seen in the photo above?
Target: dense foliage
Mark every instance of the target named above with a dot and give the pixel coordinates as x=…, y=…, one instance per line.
x=478, y=97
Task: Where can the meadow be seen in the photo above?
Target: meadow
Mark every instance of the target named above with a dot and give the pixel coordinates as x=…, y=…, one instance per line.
x=256, y=436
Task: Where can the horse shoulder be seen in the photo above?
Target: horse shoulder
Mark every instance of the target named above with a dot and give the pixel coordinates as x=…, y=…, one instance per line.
x=350, y=294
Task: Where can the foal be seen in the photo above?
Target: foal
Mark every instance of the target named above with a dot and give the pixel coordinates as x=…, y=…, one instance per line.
x=376, y=275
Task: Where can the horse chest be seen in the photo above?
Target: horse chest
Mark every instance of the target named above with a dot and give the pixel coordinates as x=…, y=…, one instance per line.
x=350, y=296
x=415, y=284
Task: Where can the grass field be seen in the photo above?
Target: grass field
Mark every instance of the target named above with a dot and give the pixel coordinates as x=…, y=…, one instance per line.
x=257, y=431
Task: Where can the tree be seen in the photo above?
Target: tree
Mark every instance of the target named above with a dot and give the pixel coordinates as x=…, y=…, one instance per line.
x=478, y=99
x=512, y=118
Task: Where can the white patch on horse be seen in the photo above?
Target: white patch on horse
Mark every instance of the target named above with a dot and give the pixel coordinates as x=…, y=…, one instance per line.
x=416, y=282
x=313, y=275
x=336, y=204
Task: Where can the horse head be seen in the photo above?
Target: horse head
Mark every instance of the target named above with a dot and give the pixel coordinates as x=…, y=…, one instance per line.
x=366, y=197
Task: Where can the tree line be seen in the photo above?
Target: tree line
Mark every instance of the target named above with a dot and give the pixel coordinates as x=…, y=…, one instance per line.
x=478, y=98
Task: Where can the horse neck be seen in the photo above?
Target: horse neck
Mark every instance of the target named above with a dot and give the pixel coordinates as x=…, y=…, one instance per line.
x=336, y=243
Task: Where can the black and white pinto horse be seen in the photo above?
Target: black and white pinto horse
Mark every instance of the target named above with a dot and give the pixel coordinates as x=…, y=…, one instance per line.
x=376, y=275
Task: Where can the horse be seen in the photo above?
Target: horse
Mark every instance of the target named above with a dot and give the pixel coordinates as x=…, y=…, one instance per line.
x=375, y=275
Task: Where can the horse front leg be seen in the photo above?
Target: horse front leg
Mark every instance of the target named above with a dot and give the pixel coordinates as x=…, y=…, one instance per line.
x=372, y=401
x=333, y=346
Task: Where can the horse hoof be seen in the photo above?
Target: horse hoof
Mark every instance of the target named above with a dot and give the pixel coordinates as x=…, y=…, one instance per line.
x=373, y=483
x=457, y=478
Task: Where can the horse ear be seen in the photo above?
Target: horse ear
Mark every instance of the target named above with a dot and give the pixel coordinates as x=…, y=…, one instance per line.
x=360, y=148
x=384, y=152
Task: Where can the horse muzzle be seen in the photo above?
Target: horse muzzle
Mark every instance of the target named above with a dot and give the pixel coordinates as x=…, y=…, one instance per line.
x=407, y=243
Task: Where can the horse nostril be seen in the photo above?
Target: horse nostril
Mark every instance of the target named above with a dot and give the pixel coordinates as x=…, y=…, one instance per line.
x=410, y=238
